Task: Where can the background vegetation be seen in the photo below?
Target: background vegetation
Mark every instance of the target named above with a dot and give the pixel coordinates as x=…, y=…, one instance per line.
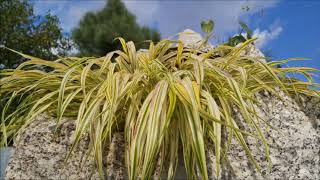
x=43, y=37
x=97, y=30
x=24, y=31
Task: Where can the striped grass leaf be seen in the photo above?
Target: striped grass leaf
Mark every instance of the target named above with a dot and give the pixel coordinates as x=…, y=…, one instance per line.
x=164, y=99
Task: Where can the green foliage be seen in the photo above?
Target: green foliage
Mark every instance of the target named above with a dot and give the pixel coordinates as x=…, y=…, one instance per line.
x=28, y=33
x=97, y=30
x=163, y=98
x=207, y=26
x=235, y=40
x=245, y=27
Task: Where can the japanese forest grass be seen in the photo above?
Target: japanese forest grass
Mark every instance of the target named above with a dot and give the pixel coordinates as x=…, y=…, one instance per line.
x=162, y=99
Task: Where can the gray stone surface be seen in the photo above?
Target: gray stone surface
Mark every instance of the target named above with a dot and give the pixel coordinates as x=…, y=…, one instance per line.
x=192, y=39
x=39, y=154
x=294, y=150
x=311, y=106
x=251, y=50
x=295, y=153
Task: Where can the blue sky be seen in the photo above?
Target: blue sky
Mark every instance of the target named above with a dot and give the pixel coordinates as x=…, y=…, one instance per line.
x=284, y=28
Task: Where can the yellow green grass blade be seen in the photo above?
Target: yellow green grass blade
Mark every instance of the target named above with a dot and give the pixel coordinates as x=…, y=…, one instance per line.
x=163, y=99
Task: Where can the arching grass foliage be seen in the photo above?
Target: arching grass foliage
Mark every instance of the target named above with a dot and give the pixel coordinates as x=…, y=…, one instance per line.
x=162, y=98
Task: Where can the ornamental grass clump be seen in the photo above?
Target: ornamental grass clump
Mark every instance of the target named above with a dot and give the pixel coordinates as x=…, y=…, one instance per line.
x=166, y=98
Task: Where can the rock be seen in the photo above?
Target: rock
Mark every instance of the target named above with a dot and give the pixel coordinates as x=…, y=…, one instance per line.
x=39, y=154
x=192, y=39
x=311, y=106
x=115, y=162
x=251, y=50
x=295, y=152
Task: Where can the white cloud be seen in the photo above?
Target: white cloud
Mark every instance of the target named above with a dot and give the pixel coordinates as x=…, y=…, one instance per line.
x=266, y=36
x=171, y=17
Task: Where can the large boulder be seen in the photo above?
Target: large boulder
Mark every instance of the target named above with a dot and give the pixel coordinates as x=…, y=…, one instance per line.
x=191, y=39
x=294, y=142
x=40, y=154
x=294, y=148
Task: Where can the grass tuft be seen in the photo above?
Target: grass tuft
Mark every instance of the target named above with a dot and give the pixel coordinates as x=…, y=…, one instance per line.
x=161, y=98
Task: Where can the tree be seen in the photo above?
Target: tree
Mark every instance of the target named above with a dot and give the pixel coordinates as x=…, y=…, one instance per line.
x=31, y=34
x=97, y=30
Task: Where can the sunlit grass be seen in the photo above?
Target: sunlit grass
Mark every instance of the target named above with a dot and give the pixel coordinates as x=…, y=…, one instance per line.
x=162, y=98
